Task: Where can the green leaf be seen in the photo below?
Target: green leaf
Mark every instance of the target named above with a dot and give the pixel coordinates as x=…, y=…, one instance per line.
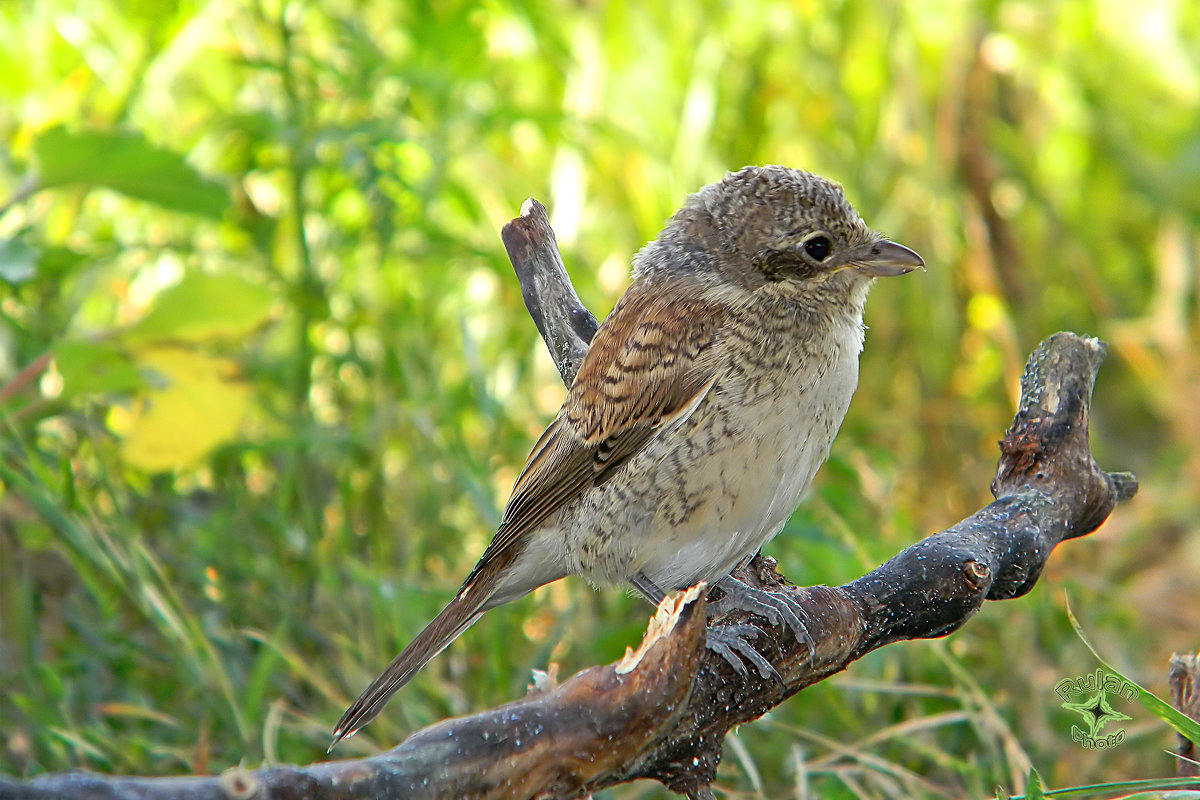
x=200, y=405
x=89, y=368
x=1160, y=708
x=1033, y=787
x=127, y=163
x=204, y=306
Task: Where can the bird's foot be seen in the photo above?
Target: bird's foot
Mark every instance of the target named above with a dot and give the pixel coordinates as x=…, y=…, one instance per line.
x=731, y=643
x=781, y=608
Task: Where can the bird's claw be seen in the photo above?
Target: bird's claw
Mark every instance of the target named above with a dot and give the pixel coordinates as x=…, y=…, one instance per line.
x=781, y=608
x=730, y=642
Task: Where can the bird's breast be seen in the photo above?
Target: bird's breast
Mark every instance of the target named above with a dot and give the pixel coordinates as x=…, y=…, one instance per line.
x=711, y=492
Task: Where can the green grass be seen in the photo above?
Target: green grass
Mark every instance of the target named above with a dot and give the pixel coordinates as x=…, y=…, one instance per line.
x=225, y=611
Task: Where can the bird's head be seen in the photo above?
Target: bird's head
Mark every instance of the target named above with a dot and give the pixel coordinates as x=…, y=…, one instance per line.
x=761, y=225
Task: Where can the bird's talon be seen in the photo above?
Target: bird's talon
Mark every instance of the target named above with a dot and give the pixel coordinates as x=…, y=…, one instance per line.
x=781, y=608
x=730, y=642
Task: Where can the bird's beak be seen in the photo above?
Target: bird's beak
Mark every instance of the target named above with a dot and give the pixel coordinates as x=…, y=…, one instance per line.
x=885, y=259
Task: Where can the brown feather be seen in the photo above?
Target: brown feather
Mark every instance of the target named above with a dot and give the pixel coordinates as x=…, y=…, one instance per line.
x=460, y=614
x=648, y=362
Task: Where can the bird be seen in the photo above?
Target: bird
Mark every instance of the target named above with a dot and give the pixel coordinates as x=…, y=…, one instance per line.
x=699, y=415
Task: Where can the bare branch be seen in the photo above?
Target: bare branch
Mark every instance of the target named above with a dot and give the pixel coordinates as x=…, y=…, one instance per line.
x=566, y=326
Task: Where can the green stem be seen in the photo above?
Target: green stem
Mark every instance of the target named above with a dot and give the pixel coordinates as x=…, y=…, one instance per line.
x=308, y=288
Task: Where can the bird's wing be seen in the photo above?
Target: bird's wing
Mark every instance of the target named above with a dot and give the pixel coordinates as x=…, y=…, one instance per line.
x=649, y=366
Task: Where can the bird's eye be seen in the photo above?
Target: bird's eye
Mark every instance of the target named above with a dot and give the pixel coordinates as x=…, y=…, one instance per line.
x=818, y=247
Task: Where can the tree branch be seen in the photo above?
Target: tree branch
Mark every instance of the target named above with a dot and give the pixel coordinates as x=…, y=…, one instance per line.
x=663, y=712
x=566, y=326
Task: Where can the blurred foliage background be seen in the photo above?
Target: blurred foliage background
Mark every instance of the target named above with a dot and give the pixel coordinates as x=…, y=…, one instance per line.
x=267, y=378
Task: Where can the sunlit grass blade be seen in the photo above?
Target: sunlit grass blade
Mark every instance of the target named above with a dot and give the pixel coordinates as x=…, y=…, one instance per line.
x=1153, y=790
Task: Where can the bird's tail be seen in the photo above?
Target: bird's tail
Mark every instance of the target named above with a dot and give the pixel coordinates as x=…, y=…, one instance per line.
x=460, y=614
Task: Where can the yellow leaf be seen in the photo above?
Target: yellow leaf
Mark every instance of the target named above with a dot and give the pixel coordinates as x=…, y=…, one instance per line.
x=198, y=404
